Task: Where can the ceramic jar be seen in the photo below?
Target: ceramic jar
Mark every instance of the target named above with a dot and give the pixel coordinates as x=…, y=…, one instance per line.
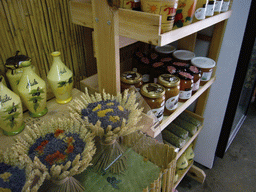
x=189, y=153
x=60, y=79
x=32, y=90
x=182, y=163
x=15, y=70
x=3, y=80
x=11, y=113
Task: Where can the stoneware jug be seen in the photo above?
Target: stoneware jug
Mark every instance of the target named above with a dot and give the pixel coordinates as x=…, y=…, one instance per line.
x=11, y=113
x=60, y=79
x=32, y=90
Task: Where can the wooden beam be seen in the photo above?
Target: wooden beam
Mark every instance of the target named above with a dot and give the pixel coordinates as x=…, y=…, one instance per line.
x=106, y=39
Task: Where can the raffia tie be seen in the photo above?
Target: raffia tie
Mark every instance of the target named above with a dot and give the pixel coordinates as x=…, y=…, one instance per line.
x=60, y=182
x=110, y=143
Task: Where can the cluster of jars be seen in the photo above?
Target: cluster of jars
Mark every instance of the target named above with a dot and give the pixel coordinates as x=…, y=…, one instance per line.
x=29, y=90
x=165, y=78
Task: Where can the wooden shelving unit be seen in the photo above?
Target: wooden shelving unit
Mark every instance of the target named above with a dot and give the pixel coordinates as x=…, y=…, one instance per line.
x=117, y=28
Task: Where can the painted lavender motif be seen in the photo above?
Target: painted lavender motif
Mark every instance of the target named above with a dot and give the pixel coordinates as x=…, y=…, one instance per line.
x=11, y=114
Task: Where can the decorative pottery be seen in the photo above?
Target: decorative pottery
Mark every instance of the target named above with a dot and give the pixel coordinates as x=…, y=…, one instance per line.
x=11, y=114
x=14, y=70
x=189, y=153
x=3, y=80
x=182, y=163
x=60, y=79
x=32, y=90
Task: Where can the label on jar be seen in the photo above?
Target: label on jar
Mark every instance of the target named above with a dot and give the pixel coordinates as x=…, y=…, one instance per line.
x=158, y=112
x=210, y=10
x=200, y=13
x=218, y=5
x=172, y=103
x=206, y=76
x=225, y=6
x=196, y=85
x=185, y=94
x=145, y=78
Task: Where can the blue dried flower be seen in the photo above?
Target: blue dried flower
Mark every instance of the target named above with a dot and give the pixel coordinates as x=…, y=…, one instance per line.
x=108, y=112
x=15, y=181
x=51, y=148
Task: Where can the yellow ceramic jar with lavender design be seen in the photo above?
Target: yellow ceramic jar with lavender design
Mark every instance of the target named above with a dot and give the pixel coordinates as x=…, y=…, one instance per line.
x=11, y=113
x=32, y=90
x=60, y=79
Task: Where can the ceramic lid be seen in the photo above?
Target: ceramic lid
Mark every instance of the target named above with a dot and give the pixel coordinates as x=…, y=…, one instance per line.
x=152, y=90
x=203, y=62
x=167, y=49
x=184, y=55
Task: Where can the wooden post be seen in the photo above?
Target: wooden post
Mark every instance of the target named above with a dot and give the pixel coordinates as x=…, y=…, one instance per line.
x=106, y=39
x=188, y=42
x=214, y=50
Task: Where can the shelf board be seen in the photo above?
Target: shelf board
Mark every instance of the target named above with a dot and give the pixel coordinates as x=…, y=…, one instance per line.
x=142, y=26
x=154, y=132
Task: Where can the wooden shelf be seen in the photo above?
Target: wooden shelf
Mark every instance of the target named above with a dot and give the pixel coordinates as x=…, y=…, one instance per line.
x=142, y=26
x=154, y=132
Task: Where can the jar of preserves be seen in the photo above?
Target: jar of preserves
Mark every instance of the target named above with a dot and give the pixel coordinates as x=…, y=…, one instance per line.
x=197, y=76
x=165, y=51
x=181, y=66
x=184, y=56
x=171, y=84
x=171, y=69
x=129, y=79
x=144, y=67
x=206, y=65
x=186, y=85
x=156, y=70
x=154, y=95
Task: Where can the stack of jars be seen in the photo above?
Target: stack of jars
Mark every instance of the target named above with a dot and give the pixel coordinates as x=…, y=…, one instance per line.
x=166, y=75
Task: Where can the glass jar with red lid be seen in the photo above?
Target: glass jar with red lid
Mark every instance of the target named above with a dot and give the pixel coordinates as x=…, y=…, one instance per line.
x=197, y=76
x=156, y=70
x=181, y=66
x=186, y=85
x=143, y=68
x=154, y=95
x=171, y=83
x=129, y=79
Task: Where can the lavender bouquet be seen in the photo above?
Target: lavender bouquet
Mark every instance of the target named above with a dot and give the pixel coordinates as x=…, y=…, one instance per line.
x=61, y=148
x=109, y=118
x=17, y=175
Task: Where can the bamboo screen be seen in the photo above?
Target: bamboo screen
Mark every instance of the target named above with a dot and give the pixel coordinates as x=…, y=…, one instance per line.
x=38, y=27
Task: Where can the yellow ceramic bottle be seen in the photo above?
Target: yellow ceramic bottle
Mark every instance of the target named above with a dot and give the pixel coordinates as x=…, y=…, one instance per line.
x=60, y=79
x=11, y=113
x=32, y=90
